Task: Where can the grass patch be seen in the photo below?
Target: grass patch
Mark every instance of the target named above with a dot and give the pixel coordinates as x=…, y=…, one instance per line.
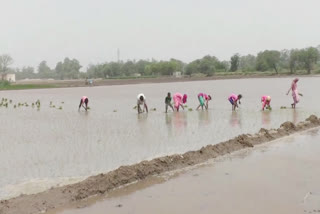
x=4, y=86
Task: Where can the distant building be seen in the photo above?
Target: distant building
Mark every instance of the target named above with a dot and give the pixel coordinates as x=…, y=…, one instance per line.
x=8, y=77
x=177, y=74
x=137, y=75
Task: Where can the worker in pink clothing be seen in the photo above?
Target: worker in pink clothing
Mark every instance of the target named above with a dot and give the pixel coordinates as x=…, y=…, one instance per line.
x=178, y=100
x=84, y=103
x=265, y=101
x=204, y=100
x=234, y=99
x=295, y=94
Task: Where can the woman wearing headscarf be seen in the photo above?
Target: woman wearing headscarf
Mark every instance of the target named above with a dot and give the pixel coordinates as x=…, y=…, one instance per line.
x=295, y=93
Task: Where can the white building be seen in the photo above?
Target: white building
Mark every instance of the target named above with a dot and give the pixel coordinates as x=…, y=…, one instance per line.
x=8, y=77
x=177, y=74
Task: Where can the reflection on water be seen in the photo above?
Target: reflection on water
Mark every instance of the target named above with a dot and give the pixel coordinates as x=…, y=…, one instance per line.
x=265, y=117
x=235, y=119
x=295, y=116
x=52, y=144
x=143, y=125
x=168, y=119
x=142, y=118
x=84, y=114
x=204, y=118
x=180, y=121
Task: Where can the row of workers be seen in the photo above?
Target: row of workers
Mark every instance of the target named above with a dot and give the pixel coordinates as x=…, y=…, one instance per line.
x=204, y=99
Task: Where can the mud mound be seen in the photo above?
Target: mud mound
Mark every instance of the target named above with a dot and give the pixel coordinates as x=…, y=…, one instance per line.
x=288, y=126
x=103, y=183
x=313, y=119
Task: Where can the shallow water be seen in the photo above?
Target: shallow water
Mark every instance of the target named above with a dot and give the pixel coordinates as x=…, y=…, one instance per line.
x=277, y=177
x=51, y=146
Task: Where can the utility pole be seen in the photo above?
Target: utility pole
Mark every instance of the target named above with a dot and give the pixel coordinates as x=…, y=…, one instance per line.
x=118, y=55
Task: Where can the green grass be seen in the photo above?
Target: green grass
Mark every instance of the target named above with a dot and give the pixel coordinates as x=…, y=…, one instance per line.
x=25, y=86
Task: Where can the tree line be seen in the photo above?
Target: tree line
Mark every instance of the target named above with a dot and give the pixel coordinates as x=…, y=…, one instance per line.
x=306, y=59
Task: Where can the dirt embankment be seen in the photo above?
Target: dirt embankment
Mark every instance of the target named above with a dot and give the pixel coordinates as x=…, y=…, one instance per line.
x=104, y=183
x=164, y=79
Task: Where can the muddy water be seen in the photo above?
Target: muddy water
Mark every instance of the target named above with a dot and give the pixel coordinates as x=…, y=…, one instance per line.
x=39, y=149
x=279, y=177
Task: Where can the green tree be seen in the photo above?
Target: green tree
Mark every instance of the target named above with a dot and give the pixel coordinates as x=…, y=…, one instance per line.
x=43, y=67
x=60, y=70
x=155, y=68
x=268, y=60
x=141, y=66
x=284, y=62
x=247, y=63
x=68, y=69
x=207, y=65
x=147, y=70
x=293, y=60
x=235, y=60
x=45, y=71
x=25, y=73
x=225, y=65
x=178, y=64
x=93, y=71
x=114, y=69
x=192, y=67
x=128, y=68
x=5, y=61
x=308, y=57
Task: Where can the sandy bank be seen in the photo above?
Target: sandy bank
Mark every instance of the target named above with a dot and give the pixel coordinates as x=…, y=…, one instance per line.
x=103, y=183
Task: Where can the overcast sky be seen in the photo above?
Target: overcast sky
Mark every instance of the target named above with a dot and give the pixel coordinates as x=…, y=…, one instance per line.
x=92, y=30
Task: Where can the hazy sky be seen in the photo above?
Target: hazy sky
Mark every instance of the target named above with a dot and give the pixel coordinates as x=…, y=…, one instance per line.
x=92, y=30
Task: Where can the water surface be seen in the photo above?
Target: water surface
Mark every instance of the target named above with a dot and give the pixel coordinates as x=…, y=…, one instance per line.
x=39, y=149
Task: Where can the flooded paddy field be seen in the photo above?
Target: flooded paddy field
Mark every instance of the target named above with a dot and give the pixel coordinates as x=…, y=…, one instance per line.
x=277, y=177
x=51, y=146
